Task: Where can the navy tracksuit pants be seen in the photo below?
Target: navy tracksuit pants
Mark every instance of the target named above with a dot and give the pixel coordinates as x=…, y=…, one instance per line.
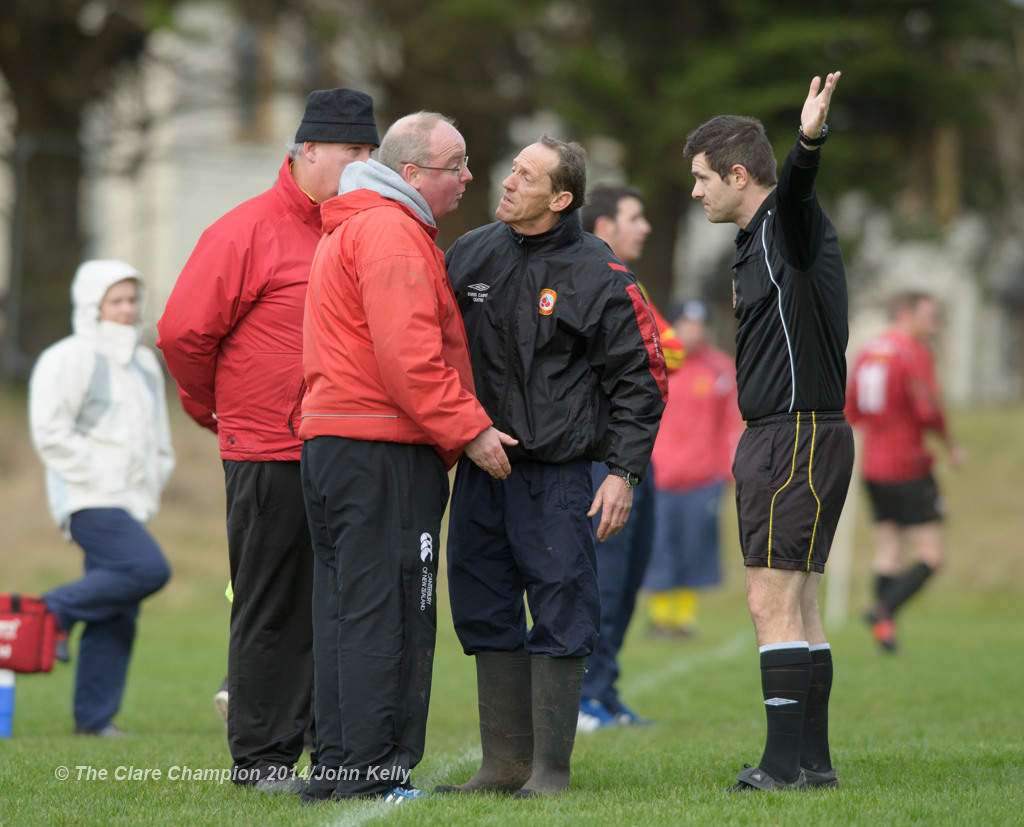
x=621, y=562
x=528, y=534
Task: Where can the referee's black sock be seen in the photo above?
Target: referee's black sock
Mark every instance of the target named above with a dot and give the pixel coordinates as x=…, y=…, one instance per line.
x=902, y=588
x=785, y=678
x=814, y=752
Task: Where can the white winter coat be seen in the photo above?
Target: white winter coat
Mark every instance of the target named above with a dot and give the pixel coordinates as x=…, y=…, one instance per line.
x=97, y=409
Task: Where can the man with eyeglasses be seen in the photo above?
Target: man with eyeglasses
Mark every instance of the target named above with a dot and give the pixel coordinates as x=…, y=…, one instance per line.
x=455, y=169
x=390, y=406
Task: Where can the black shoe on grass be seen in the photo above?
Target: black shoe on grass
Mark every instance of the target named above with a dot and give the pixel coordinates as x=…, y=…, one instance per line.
x=317, y=795
x=821, y=780
x=754, y=778
x=293, y=785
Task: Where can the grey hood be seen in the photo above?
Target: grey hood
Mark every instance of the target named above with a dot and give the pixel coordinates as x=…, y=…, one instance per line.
x=374, y=176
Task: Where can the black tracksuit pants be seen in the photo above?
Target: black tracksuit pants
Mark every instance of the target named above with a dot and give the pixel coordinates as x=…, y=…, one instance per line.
x=270, y=651
x=375, y=512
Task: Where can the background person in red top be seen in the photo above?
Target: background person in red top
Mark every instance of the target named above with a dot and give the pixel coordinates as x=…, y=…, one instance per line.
x=692, y=462
x=894, y=399
x=231, y=335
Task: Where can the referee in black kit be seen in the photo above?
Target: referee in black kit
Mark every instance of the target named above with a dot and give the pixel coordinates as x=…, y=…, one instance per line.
x=794, y=461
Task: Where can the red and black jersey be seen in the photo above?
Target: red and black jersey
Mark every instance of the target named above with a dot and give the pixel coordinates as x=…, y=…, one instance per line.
x=894, y=398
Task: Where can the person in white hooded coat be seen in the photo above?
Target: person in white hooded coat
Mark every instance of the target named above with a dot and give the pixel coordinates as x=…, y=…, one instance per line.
x=98, y=418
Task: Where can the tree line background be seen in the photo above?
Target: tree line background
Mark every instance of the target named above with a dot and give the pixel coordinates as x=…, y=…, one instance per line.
x=928, y=120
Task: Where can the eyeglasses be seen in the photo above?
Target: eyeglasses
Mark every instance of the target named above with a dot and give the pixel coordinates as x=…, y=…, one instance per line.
x=457, y=170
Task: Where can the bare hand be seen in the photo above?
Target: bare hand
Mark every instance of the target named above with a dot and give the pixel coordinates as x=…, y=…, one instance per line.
x=486, y=451
x=614, y=499
x=816, y=106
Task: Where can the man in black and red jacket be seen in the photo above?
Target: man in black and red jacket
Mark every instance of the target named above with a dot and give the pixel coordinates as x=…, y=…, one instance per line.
x=566, y=358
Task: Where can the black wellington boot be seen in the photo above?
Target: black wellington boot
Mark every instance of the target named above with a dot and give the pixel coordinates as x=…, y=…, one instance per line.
x=506, y=729
x=557, y=683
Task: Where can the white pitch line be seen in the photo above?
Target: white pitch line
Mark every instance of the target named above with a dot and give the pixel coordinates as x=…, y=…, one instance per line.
x=649, y=681
x=367, y=812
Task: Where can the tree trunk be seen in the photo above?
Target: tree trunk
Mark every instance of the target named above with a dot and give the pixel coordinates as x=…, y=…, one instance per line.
x=56, y=60
x=46, y=246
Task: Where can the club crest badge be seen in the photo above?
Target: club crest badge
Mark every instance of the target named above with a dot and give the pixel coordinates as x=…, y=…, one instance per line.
x=547, y=301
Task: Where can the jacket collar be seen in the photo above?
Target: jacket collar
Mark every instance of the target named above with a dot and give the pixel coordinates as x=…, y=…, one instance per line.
x=766, y=206
x=295, y=199
x=564, y=233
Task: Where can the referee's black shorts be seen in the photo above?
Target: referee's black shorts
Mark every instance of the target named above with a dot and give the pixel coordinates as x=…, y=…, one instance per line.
x=914, y=502
x=792, y=474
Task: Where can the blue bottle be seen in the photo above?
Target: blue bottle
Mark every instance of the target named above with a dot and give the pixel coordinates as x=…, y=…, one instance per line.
x=6, y=702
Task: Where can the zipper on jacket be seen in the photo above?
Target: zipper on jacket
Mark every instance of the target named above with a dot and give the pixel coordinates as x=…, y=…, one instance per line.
x=514, y=328
x=298, y=405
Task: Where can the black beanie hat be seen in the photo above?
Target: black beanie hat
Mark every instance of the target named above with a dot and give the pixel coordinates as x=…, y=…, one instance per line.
x=338, y=116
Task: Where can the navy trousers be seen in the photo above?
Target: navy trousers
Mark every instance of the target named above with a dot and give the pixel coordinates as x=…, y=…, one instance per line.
x=123, y=565
x=527, y=533
x=621, y=563
x=685, y=552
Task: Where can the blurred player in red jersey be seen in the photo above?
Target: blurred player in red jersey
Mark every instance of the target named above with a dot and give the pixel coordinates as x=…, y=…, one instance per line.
x=894, y=399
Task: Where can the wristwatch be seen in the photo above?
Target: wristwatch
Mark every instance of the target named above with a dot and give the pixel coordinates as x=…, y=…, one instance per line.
x=632, y=480
x=813, y=141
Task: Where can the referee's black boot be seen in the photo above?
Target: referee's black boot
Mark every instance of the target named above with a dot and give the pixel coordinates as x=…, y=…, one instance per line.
x=557, y=684
x=506, y=728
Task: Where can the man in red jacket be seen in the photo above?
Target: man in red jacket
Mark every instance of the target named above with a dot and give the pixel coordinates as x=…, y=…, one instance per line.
x=389, y=408
x=231, y=335
x=893, y=397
